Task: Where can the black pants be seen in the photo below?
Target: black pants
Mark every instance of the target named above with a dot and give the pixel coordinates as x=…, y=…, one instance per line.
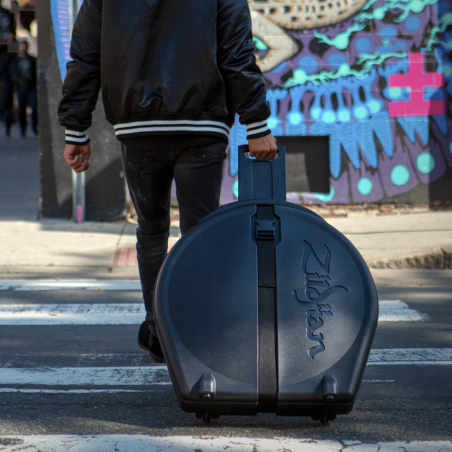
x=27, y=98
x=198, y=174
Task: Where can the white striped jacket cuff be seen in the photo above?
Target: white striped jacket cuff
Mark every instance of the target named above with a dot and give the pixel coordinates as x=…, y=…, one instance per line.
x=74, y=137
x=257, y=129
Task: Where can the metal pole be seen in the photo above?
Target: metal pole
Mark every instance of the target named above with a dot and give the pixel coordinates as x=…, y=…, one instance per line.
x=78, y=179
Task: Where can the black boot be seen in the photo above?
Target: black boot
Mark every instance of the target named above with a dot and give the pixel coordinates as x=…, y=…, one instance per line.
x=151, y=343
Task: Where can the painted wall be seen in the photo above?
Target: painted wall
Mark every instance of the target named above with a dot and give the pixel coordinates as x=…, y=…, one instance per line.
x=378, y=83
x=375, y=76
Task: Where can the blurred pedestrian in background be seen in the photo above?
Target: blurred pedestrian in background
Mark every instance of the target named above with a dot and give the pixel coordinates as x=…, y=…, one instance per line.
x=24, y=76
x=7, y=35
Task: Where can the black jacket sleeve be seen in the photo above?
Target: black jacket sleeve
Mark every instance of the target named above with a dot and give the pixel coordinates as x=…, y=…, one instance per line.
x=82, y=84
x=245, y=85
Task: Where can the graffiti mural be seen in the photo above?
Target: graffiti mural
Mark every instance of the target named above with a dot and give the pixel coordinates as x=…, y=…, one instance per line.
x=375, y=76
x=378, y=83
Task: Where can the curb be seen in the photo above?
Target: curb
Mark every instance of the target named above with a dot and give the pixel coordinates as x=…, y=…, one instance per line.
x=435, y=260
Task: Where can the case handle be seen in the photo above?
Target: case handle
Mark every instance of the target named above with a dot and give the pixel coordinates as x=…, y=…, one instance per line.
x=262, y=178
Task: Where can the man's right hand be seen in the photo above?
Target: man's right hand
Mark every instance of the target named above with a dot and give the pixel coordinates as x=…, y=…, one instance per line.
x=77, y=156
x=263, y=148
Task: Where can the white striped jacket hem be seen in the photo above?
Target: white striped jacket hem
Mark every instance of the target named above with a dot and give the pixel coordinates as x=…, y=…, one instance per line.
x=74, y=137
x=180, y=125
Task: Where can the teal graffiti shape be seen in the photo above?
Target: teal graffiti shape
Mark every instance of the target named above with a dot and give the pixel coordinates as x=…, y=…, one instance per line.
x=365, y=186
x=326, y=197
x=410, y=6
x=443, y=22
x=400, y=175
x=300, y=77
x=373, y=59
x=425, y=163
x=342, y=40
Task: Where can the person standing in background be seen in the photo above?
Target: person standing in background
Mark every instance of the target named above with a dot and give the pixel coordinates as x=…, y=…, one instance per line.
x=24, y=76
x=7, y=34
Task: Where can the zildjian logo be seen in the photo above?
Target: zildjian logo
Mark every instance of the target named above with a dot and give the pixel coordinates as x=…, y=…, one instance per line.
x=317, y=290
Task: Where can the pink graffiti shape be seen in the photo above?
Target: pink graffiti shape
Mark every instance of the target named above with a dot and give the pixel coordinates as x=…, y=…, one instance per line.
x=79, y=214
x=416, y=79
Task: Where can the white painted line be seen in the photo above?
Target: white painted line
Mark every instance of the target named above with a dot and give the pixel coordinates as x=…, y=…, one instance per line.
x=133, y=314
x=410, y=356
x=73, y=314
x=398, y=311
x=66, y=391
x=378, y=381
x=210, y=443
x=390, y=311
x=54, y=284
x=158, y=375
x=85, y=376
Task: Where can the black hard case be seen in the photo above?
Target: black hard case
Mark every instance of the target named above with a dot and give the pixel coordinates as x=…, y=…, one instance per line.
x=265, y=307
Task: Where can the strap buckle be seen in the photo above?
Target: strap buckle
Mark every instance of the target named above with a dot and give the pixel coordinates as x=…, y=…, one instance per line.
x=265, y=229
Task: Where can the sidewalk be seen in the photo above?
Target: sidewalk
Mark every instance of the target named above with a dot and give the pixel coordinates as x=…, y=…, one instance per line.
x=96, y=250
x=57, y=248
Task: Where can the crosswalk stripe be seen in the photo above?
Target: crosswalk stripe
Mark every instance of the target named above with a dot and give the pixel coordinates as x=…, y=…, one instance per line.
x=66, y=391
x=85, y=376
x=398, y=311
x=410, y=356
x=73, y=314
x=211, y=443
x=54, y=284
x=133, y=313
x=158, y=375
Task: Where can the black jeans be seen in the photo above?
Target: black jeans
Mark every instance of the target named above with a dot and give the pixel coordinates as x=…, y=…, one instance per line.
x=198, y=174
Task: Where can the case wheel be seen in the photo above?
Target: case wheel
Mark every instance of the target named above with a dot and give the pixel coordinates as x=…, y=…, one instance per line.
x=215, y=416
x=198, y=415
x=206, y=417
x=324, y=419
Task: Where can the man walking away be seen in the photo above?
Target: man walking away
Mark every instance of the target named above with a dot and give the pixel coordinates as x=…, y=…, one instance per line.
x=24, y=75
x=173, y=77
x=7, y=32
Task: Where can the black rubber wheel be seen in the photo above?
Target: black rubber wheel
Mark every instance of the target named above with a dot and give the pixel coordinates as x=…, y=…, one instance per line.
x=206, y=417
x=324, y=419
x=198, y=415
x=315, y=418
x=331, y=417
x=215, y=416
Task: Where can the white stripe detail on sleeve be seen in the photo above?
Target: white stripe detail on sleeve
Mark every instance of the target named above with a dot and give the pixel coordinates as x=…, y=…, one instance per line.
x=255, y=132
x=75, y=133
x=256, y=124
x=77, y=140
x=172, y=129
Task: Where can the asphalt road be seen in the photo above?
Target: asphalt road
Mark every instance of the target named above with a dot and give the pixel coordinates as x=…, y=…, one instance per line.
x=397, y=402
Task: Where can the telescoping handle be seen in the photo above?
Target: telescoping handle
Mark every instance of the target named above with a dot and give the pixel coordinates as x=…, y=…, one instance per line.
x=262, y=178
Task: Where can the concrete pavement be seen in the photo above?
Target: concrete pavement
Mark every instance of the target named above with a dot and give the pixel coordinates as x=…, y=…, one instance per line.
x=63, y=248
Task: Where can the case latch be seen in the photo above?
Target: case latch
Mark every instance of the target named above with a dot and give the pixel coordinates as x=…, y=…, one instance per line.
x=265, y=229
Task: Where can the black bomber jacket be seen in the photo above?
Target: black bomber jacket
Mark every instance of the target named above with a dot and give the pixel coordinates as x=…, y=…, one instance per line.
x=165, y=67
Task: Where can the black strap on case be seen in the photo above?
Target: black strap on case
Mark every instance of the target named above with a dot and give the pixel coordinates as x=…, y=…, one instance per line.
x=265, y=179
x=265, y=239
